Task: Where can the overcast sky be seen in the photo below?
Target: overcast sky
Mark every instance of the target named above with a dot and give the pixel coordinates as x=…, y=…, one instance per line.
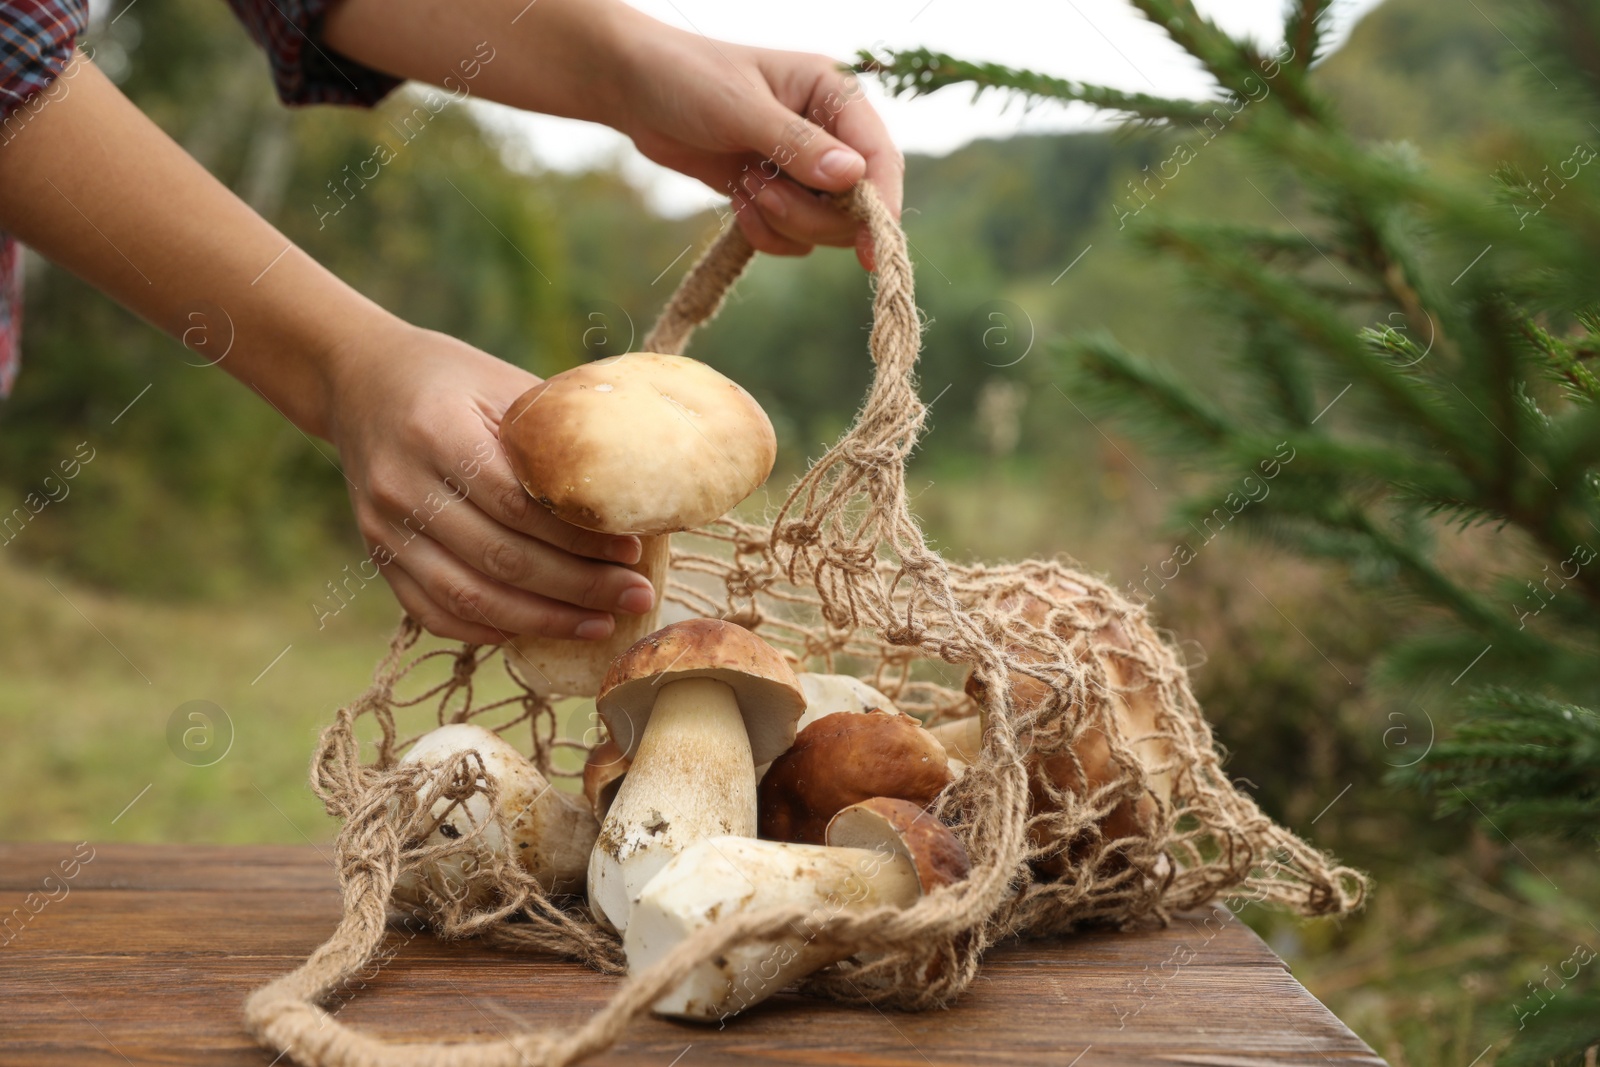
x=1102, y=41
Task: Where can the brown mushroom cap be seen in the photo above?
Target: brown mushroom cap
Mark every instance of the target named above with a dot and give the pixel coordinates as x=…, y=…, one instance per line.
x=639, y=444
x=603, y=772
x=763, y=683
x=841, y=760
x=936, y=852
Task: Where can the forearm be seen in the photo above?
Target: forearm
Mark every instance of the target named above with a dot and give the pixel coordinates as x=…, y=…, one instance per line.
x=96, y=187
x=557, y=57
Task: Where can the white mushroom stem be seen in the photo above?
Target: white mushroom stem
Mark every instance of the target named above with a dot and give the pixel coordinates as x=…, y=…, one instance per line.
x=692, y=778
x=554, y=667
x=962, y=738
x=724, y=875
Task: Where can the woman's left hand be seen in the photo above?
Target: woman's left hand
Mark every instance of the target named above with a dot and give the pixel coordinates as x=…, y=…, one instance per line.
x=772, y=130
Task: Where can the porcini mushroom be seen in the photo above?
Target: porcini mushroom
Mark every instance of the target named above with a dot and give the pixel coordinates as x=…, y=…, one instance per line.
x=961, y=738
x=695, y=706
x=602, y=776
x=1087, y=765
x=841, y=760
x=548, y=832
x=832, y=694
x=880, y=852
x=829, y=694
x=642, y=444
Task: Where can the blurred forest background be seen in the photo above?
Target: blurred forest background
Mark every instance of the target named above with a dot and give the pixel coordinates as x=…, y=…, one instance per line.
x=185, y=561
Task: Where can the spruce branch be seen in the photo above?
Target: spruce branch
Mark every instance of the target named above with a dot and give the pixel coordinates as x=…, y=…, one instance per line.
x=1528, y=762
x=919, y=71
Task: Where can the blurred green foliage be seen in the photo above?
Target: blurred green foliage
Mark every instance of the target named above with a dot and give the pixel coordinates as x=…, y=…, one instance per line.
x=1464, y=466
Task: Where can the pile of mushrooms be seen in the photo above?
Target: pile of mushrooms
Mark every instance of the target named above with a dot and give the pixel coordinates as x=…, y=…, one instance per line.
x=727, y=782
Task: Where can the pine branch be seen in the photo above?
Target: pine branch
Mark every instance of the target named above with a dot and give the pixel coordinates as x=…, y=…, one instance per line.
x=1528, y=763
x=919, y=71
x=1114, y=378
x=1272, y=294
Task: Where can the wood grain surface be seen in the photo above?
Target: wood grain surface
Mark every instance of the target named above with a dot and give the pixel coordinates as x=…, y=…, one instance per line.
x=145, y=954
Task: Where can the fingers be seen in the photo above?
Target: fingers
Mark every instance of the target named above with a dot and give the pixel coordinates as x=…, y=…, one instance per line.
x=525, y=564
x=499, y=495
x=803, y=148
x=825, y=135
x=804, y=216
x=431, y=616
x=764, y=237
x=859, y=125
x=459, y=599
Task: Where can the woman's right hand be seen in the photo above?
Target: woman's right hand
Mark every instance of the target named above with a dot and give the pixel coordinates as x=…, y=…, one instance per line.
x=469, y=554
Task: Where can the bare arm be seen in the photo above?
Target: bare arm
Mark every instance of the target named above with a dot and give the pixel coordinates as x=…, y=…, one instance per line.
x=92, y=184
x=729, y=115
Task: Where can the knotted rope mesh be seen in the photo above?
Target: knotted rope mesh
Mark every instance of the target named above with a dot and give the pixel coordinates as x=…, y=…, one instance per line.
x=1088, y=716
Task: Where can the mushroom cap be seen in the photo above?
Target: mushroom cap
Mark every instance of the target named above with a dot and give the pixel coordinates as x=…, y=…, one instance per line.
x=763, y=683
x=639, y=444
x=884, y=822
x=841, y=760
x=602, y=776
x=548, y=832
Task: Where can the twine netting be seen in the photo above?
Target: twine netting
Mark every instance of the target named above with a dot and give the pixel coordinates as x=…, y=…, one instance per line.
x=842, y=579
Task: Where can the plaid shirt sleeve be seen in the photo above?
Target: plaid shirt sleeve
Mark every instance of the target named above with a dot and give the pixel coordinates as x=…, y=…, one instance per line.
x=304, y=70
x=36, y=42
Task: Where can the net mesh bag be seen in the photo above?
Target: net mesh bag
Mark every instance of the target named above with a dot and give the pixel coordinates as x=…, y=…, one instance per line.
x=1098, y=795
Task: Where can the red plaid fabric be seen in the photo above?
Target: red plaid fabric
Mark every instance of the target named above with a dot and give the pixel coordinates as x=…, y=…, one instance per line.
x=37, y=38
x=303, y=70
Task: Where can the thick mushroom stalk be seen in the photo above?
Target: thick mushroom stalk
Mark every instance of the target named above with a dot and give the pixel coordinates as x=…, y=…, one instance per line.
x=694, y=706
x=642, y=444
x=961, y=738
x=548, y=832
x=881, y=853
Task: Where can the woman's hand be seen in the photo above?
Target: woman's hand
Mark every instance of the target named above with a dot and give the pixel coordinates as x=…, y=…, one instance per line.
x=416, y=417
x=769, y=129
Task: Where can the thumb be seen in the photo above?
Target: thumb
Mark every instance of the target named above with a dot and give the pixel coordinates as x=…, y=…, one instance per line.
x=805, y=151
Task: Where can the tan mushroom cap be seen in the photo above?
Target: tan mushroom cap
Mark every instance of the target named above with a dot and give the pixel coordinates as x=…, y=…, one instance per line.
x=639, y=444
x=1087, y=765
x=840, y=760
x=933, y=849
x=763, y=683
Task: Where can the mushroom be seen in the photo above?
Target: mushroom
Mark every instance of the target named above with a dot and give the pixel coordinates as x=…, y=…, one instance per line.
x=831, y=694
x=602, y=776
x=642, y=444
x=548, y=832
x=1087, y=765
x=881, y=852
x=695, y=705
x=961, y=738
x=840, y=760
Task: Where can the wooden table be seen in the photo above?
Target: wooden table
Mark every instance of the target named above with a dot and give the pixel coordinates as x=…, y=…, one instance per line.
x=145, y=955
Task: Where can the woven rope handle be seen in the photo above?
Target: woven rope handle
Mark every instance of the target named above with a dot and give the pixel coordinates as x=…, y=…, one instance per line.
x=896, y=326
